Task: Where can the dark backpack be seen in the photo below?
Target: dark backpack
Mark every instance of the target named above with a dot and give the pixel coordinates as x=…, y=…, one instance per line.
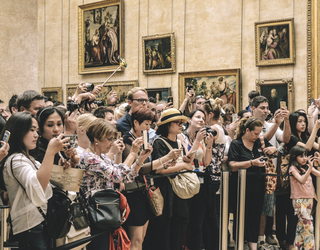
x=57, y=220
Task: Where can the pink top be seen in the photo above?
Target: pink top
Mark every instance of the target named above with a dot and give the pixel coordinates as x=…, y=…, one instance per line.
x=298, y=190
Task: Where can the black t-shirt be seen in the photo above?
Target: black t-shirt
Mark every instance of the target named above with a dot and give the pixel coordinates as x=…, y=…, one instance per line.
x=293, y=142
x=238, y=152
x=172, y=203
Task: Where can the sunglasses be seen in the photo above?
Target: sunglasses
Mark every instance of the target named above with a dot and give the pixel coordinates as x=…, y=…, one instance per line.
x=208, y=101
x=179, y=123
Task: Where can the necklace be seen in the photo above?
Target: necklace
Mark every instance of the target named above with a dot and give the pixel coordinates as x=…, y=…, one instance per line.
x=92, y=150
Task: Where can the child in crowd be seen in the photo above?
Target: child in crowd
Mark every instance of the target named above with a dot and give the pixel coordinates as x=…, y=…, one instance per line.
x=302, y=195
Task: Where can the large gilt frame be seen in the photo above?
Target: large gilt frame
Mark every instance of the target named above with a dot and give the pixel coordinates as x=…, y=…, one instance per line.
x=276, y=82
x=98, y=68
x=313, y=36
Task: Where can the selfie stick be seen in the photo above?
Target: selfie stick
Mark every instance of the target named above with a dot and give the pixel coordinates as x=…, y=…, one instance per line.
x=122, y=63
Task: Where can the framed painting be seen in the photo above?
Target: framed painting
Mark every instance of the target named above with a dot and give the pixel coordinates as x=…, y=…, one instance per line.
x=274, y=42
x=122, y=88
x=276, y=91
x=158, y=54
x=54, y=93
x=101, y=36
x=160, y=94
x=224, y=84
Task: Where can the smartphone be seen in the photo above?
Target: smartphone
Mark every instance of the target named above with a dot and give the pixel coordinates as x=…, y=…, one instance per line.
x=145, y=139
x=170, y=99
x=234, y=117
x=118, y=135
x=283, y=104
x=311, y=101
x=73, y=141
x=6, y=136
x=264, y=159
x=189, y=88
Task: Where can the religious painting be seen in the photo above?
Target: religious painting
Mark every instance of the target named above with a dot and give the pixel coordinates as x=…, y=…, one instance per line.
x=276, y=91
x=54, y=93
x=274, y=42
x=101, y=36
x=122, y=88
x=224, y=84
x=158, y=54
x=160, y=94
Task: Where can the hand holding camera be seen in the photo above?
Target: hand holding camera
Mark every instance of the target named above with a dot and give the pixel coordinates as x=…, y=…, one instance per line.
x=259, y=162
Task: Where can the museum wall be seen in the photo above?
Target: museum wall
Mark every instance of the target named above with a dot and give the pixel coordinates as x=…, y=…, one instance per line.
x=18, y=47
x=209, y=35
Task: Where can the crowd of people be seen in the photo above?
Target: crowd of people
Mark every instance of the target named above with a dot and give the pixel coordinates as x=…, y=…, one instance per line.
x=200, y=136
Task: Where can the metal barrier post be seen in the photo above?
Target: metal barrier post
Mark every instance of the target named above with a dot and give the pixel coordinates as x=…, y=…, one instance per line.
x=241, y=208
x=224, y=205
x=317, y=221
x=4, y=213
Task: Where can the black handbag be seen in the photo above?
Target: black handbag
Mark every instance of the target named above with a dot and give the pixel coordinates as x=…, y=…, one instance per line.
x=104, y=210
x=78, y=214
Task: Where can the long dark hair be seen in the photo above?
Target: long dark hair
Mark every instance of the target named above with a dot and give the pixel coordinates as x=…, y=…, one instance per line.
x=44, y=113
x=294, y=153
x=293, y=119
x=18, y=125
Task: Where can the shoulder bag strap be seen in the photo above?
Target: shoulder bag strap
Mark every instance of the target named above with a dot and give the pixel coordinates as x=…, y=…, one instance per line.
x=39, y=208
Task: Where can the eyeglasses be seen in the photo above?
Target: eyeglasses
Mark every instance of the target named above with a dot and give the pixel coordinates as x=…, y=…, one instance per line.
x=160, y=111
x=141, y=100
x=179, y=123
x=112, y=139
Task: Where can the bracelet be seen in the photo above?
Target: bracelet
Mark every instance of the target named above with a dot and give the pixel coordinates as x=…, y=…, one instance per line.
x=209, y=148
x=309, y=116
x=160, y=161
x=140, y=166
x=251, y=162
x=119, y=153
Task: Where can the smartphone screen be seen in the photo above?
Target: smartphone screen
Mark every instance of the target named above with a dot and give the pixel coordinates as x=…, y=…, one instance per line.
x=145, y=139
x=6, y=136
x=311, y=101
x=283, y=104
x=170, y=99
x=234, y=117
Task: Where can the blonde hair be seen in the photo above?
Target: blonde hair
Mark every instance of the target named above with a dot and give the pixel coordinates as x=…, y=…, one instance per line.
x=85, y=119
x=100, y=129
x=134, y=90
x=120, y=111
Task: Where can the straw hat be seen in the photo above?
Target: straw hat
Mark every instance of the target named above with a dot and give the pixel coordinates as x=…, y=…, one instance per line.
x=171, y=115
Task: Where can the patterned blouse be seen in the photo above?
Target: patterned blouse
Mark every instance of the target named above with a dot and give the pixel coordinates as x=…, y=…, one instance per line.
x=101, y=173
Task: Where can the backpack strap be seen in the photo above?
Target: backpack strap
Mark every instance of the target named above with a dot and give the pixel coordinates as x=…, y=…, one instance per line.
x=263, y=145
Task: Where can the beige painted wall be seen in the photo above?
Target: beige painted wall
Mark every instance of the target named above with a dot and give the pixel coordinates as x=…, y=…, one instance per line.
x=18, y=47
x=221, y=32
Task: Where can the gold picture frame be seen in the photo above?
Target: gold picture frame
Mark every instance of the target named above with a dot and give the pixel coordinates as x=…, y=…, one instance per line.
x=54, y=93
x=283, y=88
x=274, y=42
x=159, y=54
x=101, y=36
x=121, y=87
x=200, y=80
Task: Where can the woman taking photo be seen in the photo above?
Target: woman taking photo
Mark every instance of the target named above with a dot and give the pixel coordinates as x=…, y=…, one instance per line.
x=51, y=124
x=27, y=180
x=137, y=222
x=192, y=140
x=101, y=172
x=166, y=231
x=244, y=152
x=213, y=163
